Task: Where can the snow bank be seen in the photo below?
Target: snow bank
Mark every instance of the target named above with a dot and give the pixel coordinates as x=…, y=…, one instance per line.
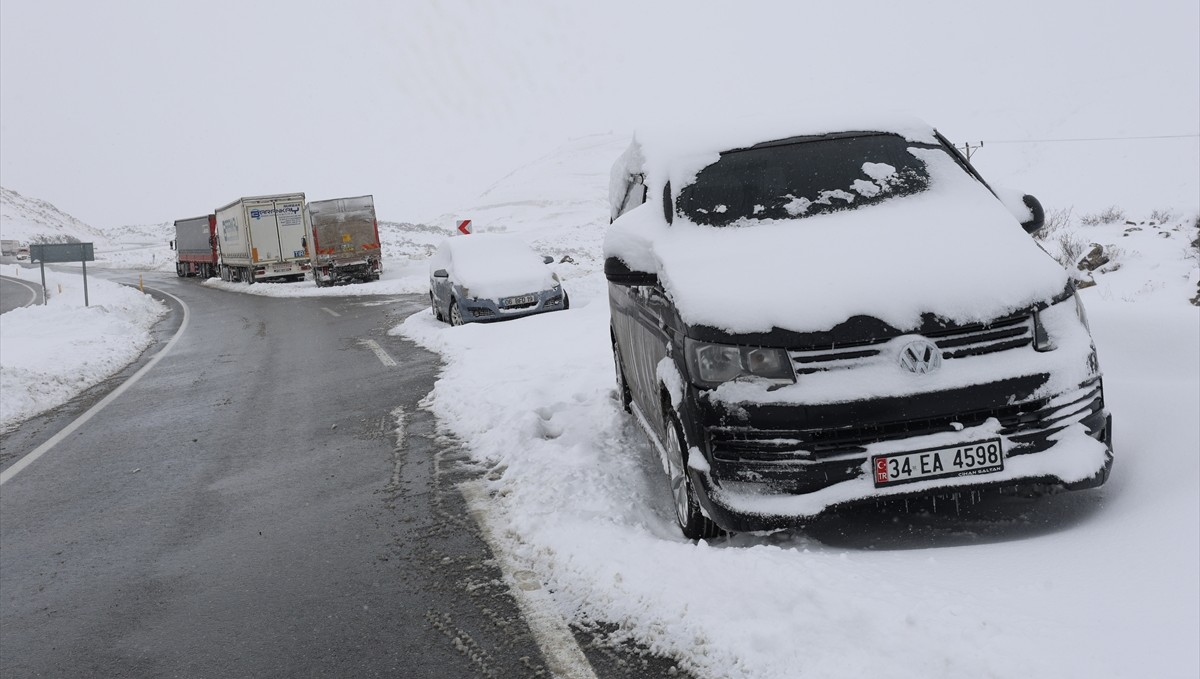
x=589, y=513
x=1047, y=588
x=53, y=352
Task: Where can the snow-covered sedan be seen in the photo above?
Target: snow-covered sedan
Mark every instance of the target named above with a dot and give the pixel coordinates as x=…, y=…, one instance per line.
x=490, y=277
x=810, y=316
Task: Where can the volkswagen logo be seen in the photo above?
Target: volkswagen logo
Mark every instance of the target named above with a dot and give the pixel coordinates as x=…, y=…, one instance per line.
x=920, y=357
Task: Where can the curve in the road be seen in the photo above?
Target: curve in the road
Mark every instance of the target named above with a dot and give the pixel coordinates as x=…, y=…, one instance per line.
x=34, y=296
x=91, y=412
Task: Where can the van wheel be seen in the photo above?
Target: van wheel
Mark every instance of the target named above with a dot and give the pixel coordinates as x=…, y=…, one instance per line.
x=455, y=313
x=622, y=386
x=692, y=522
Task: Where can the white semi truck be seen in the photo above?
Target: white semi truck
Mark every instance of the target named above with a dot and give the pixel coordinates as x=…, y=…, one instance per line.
x=263, y=237
x=344, y=240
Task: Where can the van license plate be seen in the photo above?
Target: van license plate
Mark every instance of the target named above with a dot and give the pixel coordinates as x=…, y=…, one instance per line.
x=965, y=459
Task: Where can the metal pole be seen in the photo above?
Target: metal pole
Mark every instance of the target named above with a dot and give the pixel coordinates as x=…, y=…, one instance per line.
x=45, y=291
x=85, y=296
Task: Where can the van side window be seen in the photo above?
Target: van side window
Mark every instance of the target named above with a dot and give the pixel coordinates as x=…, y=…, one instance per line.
x=635, y=193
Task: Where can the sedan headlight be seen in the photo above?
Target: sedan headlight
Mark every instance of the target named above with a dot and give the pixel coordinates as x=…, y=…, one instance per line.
x=713, y=364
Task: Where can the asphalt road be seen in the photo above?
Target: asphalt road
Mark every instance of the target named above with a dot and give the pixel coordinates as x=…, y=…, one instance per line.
x=246, y=509
x=16, y=293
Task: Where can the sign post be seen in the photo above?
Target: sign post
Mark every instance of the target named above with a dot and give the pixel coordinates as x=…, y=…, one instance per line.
x=62, y=252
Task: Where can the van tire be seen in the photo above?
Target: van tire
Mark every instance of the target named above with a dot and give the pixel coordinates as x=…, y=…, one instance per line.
x=692, y=521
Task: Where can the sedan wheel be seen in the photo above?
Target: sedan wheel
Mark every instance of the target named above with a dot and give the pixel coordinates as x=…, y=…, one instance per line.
x=436, y=312
x=455, y=314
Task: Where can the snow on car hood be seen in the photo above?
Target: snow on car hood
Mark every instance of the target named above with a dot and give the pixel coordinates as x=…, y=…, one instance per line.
x=496, y=265
x=952, y=250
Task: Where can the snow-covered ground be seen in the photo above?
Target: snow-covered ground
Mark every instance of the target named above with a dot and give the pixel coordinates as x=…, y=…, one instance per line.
x=50, y=353
x=1094, y=584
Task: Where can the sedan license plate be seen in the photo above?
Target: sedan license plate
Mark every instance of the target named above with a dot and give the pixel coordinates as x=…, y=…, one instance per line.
x=518, y=301
x=964, y=459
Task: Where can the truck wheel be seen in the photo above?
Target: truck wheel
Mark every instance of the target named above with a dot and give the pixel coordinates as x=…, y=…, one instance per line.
x=249, y=276
x=692, y=522
x=179, y=270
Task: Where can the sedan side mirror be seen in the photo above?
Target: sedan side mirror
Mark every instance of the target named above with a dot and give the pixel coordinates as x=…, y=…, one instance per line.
x=618, y=273
x=441, y=273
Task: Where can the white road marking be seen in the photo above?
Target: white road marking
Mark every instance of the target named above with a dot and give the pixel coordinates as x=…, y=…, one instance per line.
x=91, y=412
x=564, y=658
x=383, y=355
x=331, y=312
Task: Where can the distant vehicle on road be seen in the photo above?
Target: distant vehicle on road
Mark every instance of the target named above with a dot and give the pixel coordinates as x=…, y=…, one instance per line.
x=262, y=238
x=195, y=247
x=491, y=277
x=343, y=240
x=8, y=247
x=809, y=317
x=23, y=253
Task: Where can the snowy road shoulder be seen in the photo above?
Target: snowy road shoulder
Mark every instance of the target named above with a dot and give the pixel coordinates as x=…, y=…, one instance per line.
x=51, y=353
x=1039, y=589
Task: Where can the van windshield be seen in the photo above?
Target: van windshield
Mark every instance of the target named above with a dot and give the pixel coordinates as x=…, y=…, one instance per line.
x=791, y=179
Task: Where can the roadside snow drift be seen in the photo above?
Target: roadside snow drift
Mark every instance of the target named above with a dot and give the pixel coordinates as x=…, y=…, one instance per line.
x=52, y=353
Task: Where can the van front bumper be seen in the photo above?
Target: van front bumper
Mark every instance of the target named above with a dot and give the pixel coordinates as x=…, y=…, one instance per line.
x=770, y=466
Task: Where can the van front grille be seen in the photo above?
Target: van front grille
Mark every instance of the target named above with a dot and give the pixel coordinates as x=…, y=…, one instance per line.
x=978, y=339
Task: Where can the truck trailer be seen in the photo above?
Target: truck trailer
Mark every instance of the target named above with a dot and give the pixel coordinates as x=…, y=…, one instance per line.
x=195, y=247
x=343, y=239
x=262, y=238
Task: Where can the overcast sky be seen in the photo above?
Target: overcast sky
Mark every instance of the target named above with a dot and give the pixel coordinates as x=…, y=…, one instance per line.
x=144, y=112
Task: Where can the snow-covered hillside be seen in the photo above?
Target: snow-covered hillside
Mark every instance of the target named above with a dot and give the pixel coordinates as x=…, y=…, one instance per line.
x=27, y=219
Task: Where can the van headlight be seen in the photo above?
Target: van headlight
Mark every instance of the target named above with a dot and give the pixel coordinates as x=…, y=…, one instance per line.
x=713, y=364
x=1045, y=320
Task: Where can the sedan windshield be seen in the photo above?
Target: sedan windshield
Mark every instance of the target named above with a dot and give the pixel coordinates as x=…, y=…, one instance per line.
x=801, y=177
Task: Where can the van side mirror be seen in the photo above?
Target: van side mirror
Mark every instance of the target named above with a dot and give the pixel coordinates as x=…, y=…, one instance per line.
x=441, y=273
x=668, y=206
x=618, y=273
x=1039, y=215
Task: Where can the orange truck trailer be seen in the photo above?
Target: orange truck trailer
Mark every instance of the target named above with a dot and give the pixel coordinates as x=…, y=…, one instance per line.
x=343, y=240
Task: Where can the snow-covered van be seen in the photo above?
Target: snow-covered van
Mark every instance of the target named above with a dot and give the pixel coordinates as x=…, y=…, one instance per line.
x=263, y=237
x=343, y=240
x=810, y=316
